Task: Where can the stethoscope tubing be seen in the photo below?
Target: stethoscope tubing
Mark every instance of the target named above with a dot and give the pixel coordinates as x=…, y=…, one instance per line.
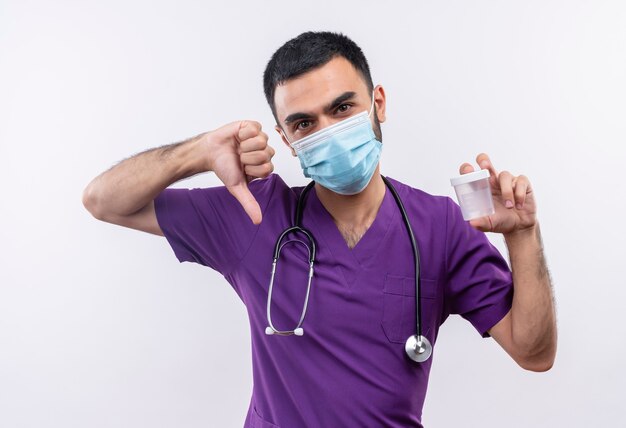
x=417, y=347
x=416, y=255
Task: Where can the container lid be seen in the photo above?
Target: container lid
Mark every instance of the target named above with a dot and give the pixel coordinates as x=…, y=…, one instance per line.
x=470, y=177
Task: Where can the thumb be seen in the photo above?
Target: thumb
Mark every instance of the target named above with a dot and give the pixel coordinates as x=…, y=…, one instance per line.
x=250, y=205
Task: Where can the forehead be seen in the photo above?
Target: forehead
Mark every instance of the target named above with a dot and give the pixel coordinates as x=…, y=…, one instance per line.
x=314, y=89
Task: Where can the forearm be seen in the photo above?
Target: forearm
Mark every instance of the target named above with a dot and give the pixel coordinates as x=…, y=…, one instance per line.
x=131, y=184
x=533, y=317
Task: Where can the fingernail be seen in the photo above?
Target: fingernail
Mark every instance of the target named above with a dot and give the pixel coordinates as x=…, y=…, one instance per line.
x=518, y=206
x=508, y=204
x=483, y=164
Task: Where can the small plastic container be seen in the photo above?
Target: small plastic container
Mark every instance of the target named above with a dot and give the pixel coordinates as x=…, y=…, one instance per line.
x=474, y=194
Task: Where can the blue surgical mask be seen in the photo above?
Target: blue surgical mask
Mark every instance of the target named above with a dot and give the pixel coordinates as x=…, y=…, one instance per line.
x=341, y=157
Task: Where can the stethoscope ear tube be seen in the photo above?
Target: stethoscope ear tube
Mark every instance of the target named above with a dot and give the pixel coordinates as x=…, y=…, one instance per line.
x=294, y=229
x=300, y=204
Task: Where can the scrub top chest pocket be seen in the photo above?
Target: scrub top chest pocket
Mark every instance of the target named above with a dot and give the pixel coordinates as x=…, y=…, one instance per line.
x=399, y=307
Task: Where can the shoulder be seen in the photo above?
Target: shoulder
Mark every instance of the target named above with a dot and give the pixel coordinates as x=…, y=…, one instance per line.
x=421, y=202
x=273, y=187
x=276, y=183
x=262, y=189
x=276, y=198
x=273, y=182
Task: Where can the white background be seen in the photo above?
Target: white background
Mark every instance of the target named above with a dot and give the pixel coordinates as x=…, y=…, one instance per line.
x=100, y=326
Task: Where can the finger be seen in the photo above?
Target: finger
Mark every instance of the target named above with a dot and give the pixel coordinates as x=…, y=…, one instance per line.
x=257, y=157
x=258, y=142
x=248, y=129
x=483, y=224
x=484, y=162
x=466, y=168
x=250, y=205
x=260, y=171
x=522, y=184
x=505, y=180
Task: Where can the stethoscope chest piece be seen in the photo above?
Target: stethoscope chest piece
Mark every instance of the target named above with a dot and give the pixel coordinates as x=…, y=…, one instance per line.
x=418, y=349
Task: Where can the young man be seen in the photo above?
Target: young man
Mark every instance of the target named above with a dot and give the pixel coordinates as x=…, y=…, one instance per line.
x=346, y=364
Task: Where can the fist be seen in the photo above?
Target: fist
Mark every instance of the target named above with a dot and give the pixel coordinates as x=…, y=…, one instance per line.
x=238, y=153
x=513, y=200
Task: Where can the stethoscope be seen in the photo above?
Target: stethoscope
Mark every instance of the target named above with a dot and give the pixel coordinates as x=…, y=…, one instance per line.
x=417, y=347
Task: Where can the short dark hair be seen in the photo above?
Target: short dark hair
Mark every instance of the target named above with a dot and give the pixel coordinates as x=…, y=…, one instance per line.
x=307, y=51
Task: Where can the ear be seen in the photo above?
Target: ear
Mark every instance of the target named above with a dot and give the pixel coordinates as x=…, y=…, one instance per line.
x=380, y=100
x=282, y=137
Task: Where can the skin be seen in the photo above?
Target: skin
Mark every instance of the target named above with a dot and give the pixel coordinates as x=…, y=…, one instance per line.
x=238, y=152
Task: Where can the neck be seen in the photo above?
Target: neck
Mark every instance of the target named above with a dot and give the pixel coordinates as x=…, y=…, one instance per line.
x=354, y=210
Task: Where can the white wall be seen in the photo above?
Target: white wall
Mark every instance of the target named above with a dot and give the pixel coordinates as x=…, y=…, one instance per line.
x=100, y=326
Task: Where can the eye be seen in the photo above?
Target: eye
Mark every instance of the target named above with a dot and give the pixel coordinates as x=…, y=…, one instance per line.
x=343, y=108
x=303, y=125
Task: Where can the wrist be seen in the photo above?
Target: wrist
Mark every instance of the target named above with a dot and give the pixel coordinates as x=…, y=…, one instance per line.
x=198, y=154
x=521, y=235
x=188, y=157
x=202, y=152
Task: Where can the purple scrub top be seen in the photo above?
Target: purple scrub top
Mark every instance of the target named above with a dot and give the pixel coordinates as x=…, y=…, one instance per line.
x=350, y=368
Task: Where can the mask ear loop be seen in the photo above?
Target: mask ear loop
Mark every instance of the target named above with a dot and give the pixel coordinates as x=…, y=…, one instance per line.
x=285, y=136
x=372, y=107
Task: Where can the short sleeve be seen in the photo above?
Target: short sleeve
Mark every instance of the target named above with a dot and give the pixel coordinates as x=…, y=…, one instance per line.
x=208, y=225
x=479, y=282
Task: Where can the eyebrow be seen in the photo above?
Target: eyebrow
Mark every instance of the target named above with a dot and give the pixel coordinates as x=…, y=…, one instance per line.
x=346, y=96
